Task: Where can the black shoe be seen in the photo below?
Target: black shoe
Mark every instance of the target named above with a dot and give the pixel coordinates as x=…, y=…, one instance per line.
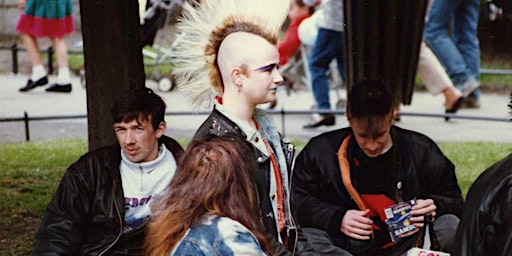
x=326, y=120
x=471, y=102
x=456, y=106
x=31, y=84
x=59, y=88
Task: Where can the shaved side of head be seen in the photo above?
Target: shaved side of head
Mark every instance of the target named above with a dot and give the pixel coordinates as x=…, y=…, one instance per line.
x=236, y=51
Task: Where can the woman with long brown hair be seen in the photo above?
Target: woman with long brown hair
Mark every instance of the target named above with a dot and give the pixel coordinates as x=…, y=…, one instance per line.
x=212, y=205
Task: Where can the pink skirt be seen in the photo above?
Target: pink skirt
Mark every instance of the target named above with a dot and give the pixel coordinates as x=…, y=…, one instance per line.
x=47, y=18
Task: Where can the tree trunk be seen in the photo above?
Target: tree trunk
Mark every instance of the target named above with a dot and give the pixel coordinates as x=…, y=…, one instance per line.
x=113, y=60
x=382, y=41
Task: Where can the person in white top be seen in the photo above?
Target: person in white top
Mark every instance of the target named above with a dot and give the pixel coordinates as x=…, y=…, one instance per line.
x=103, y=201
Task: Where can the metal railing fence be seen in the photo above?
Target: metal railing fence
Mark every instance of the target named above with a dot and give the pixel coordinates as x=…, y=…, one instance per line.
x=283, y=113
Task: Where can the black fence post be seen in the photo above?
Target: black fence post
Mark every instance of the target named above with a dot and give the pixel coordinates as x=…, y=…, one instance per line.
x=50, y=60
x=27, y=131
x=14, y=51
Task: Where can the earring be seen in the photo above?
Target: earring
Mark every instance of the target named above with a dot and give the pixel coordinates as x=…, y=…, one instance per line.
x=239, y=87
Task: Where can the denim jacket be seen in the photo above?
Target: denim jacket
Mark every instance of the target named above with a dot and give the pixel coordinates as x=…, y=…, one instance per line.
x=215, y=235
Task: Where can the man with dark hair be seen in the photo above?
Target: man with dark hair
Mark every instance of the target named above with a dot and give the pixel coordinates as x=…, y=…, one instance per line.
x=381, y=165
x=102, y=202
x=486, y=223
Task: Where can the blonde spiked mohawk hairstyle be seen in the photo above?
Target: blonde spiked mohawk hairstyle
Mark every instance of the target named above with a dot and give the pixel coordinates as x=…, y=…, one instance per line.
x=201, y=31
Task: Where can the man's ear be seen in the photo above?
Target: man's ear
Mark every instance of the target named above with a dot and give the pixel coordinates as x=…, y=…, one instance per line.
x=160, y=130
x=236, y=76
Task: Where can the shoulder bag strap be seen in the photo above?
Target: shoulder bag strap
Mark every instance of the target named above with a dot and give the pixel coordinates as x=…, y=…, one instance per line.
x=345, y=173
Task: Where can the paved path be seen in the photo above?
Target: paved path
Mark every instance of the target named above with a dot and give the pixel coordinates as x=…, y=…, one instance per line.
x=38, y=103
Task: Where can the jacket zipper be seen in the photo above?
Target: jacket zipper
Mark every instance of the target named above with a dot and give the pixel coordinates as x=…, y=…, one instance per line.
x=141, y=178
x=120, y=225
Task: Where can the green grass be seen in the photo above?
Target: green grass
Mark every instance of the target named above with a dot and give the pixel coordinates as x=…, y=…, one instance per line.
x=488, y=81
x=501, y=80
x=31, y=173
x=164, y=68
x=76, y=62
x=472, y=158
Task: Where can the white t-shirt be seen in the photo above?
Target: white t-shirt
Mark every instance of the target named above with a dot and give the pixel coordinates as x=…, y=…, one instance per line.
x=142, y=183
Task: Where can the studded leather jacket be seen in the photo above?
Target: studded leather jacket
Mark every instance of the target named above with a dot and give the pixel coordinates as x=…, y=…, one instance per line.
x=218, y=124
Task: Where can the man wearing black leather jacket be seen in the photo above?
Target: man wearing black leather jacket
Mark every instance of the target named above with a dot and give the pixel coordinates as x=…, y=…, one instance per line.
x=381, y=165
x=103, y=201
x=486, y=224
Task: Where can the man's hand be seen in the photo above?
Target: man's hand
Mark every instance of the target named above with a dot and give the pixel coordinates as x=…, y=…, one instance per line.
x=21, y=4
x=421, y=208
x=356, y=225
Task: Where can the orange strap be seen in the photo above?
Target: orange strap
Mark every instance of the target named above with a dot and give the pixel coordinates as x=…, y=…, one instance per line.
x=345, y=174
x=279, y=186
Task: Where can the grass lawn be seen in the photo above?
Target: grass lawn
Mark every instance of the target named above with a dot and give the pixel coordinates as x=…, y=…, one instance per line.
x=31, y=172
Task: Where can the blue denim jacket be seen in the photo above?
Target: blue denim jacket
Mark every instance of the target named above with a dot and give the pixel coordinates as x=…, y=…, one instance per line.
x=215, y=235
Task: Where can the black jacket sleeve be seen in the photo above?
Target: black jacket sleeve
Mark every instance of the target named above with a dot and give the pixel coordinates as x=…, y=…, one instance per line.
x=318, y=198
x=434, y=174
x=486, y=221
x=61, y=230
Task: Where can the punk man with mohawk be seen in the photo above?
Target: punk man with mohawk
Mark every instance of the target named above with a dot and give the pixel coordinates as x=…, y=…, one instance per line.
x=228, y=55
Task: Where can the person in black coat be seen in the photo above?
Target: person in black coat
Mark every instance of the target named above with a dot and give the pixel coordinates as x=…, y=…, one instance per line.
x=382, y=165
x=486, y=223
x=102, y=204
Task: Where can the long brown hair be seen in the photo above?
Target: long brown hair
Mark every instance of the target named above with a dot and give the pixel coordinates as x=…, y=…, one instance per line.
x=215, y=176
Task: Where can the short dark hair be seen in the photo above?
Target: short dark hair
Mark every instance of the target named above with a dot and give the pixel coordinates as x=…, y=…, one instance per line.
x=139, y=104
x=369, y=98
